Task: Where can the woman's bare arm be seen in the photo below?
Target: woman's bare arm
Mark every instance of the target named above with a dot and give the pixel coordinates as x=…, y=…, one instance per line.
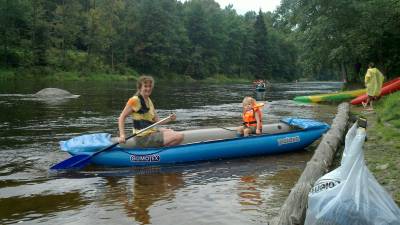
x=121, y=122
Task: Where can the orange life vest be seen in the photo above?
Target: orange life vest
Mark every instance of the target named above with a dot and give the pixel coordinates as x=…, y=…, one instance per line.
x=249, y=117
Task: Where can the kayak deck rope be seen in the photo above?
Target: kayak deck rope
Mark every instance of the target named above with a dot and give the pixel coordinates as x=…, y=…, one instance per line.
x=227, y=129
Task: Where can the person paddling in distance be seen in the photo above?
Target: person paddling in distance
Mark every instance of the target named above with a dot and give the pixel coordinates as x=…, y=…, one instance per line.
x=143, y=113
x=252, y=117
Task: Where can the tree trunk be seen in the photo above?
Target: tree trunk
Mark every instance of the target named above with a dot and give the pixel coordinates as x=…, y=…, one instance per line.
x=91, y=34
x=5, y=36
x=293, y=211
x=343, y=70
x=34, y=22
x=111, y=39
x=63, y=37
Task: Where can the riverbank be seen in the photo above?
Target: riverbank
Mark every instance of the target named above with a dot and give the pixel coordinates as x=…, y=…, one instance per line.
x=294, y=209
x=50, y=75
x=128, y=75
x=382, y=149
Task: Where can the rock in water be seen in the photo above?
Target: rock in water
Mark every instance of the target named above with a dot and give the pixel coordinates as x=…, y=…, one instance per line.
x=54, y=93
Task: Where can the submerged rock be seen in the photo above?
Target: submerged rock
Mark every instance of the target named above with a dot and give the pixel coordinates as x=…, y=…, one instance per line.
x=54, y=93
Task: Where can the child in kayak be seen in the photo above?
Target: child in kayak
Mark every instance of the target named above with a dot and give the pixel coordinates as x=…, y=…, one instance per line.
x=252, y=117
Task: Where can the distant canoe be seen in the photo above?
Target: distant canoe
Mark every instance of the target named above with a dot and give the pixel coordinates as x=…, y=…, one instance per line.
x=388, y=87
x=260, y=89
x=331, y=97
x=291, y=134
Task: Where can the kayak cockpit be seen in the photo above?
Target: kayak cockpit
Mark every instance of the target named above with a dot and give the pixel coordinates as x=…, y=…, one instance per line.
x=219, y=133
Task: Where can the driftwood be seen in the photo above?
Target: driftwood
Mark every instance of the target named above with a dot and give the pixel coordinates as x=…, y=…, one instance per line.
x=293, y=210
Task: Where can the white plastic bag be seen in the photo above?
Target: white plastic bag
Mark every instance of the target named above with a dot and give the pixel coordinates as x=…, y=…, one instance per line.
x=350, y=194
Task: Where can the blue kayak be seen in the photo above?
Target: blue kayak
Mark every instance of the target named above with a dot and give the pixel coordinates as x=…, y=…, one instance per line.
x=290, y=134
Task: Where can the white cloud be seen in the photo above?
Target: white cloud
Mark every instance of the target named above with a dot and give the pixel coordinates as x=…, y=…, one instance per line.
x=243, y=6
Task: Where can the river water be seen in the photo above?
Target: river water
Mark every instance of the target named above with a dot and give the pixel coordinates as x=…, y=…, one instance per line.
x=237, y=191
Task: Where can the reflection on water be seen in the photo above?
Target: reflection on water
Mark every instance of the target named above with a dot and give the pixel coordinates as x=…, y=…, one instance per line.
x=36, y=207
x=260, y=96
x=249, y=192
x=146, y=191
x=239, y=191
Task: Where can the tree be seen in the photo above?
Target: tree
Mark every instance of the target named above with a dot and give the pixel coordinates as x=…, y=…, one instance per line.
x=341, y=35
x=160, y=32
x=65, y=27
x=261, y=62
x=14, y=33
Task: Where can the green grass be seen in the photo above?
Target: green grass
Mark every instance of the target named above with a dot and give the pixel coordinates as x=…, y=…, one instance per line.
x=7, y=74
x=46, y=73
x=74, y=76
x=382, y=150
x=388, y=110
x=388, y=114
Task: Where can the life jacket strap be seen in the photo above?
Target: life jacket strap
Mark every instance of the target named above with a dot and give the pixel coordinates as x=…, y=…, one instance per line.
x=140, y=124
x=143, y=109
x=247, y=124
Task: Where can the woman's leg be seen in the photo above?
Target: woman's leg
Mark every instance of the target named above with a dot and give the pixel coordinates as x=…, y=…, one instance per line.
x=240, y=131
x=365, y=104
x=164, y=129
x=370, y=102
x=246, y=132
x=171, y=137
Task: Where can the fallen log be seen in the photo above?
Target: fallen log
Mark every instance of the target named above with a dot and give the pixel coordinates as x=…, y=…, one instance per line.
x=293, y=210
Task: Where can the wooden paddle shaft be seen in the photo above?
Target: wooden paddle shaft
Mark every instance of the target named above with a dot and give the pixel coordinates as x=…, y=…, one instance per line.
x=133, y=135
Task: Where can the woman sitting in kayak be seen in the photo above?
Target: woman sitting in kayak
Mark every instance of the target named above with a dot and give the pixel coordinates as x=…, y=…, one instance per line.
x=143, y=114
x=252, y=117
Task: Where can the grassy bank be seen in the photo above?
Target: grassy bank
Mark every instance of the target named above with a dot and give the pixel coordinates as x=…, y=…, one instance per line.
x=382, y=150
x=44, y=74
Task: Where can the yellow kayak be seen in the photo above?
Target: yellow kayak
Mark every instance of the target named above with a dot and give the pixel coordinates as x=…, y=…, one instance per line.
x=331, y=97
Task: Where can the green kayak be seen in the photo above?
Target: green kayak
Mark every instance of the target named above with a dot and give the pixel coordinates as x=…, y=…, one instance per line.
x=331, y=97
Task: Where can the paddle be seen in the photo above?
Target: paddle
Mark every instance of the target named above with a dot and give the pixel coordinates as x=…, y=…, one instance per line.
x=80, y=161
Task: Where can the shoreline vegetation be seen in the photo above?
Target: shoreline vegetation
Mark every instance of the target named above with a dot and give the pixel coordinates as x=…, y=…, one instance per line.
x=52, y=75
x=12, y=74
x=382, y=149
x=197, y=39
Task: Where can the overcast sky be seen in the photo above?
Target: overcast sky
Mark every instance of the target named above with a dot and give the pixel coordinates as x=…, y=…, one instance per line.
x=243, y=6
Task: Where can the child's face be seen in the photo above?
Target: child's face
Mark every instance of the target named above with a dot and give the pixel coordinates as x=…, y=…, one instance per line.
x=247, y=106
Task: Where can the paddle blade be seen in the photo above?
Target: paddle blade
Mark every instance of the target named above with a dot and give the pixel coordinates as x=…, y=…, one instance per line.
x=75, y=162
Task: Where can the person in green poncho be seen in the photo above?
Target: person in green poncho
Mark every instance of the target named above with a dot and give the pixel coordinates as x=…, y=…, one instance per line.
x=373, y=82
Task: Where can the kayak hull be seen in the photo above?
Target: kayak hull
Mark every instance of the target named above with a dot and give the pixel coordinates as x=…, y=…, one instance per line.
x=388, y=88
x=231, y=147
x=332, y=97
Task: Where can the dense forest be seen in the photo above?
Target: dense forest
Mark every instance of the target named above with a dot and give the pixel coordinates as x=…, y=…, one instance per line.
x=342, y=36
x=318, y=39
